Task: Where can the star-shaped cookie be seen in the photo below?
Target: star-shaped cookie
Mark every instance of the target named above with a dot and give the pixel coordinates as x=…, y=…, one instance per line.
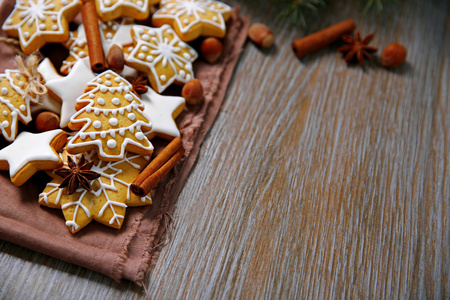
x=67, y=88
x=37, y=22
x=108, y=10
x=193, y=18
x=32, y=152
x=110, y=195
x=161, y=54
x=161, y=111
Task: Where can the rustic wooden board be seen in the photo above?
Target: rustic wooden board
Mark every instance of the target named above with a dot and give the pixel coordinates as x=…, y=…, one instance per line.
x=318, y=179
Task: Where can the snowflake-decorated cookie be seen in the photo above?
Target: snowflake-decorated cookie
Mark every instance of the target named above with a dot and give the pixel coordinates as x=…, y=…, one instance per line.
x=161, y=111
x=110, y=119
x=37, y=22
x=161, y=54
x=110, y=195
x=109, y=10
x=30, y=153
x=14, y=102
x=193, y=18
x=117, y=32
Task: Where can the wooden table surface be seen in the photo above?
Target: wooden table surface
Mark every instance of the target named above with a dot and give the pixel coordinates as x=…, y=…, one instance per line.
x=318, y=179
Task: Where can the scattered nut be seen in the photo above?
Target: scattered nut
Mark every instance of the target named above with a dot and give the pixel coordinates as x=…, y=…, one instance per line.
x=394, y=55
x=192, y=92
x=46, y=121
x=211, y=49
x=115, y=59
x=261, y=35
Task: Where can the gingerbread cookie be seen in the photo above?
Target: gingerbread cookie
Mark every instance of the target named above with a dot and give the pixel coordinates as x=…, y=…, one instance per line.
x=37, y=22
x=109, y=119
x=161, y=111
x=193, y=18
x=117, y=32
x=161, y=54
x=14, y=102
x=108, y=10
x=110, y=195
x=31, y=152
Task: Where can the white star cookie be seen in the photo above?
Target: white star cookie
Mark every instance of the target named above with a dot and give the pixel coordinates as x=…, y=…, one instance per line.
x=108, y=10
x=161, y=54
x=193, y=18
x=161, y=111
x=31, y=152
x=67, y=88
x=37, y=22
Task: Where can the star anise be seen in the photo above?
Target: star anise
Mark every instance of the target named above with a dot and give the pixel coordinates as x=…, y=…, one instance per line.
x=139, y=84
x=77, y=174
x=357, y=47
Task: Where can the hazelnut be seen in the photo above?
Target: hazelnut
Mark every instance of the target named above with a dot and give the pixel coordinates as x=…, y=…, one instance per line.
x=211, y=49
x=192, y=92
x=115, y=59
x=46, y=121
x=261, y=35
x=394, y=55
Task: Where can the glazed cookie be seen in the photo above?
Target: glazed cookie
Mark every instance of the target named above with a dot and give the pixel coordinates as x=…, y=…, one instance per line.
x=161, y=111
x=117, y=32
x=193, y=18
x=30, y=153
x=161, y=54
x=109, y=119
x=14, y=102
x=110, y=195
x=37, y=22
x=108, y=10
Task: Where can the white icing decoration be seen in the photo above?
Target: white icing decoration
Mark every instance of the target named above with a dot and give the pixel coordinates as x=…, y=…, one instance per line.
x=113, y=121
x=108, y=76
x=5, y=113
x=21, y=83
x=111, y=143
x=163, y=52
x=131, y=116
x=115, y=101
x=128, y=97
x=97, y=124
x=139, y=135
x=22, y=107
x=4, y=91
x=100, y=101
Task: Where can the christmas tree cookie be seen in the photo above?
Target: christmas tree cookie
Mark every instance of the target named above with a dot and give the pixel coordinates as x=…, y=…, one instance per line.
x=37, y=22
x=193, y=18
x=109, y=10
x=14, y=102
x=109, y=119
x=161, y=54
x=110, y=193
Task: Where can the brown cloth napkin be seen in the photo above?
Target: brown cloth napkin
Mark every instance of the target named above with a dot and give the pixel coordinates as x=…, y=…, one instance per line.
x=131, y=251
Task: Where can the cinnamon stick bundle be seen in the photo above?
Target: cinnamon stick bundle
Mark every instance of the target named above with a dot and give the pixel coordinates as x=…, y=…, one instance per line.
x=158, y=168
x=94, y=42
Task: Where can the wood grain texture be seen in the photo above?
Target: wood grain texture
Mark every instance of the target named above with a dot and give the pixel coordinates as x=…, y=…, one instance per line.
x=317, y=180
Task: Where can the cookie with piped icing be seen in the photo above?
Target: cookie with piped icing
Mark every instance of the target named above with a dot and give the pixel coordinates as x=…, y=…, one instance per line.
x=109, y=198
x=37, y=22
x=193, y=18
x=159, y=53
x=108, y=10
x=110, y=119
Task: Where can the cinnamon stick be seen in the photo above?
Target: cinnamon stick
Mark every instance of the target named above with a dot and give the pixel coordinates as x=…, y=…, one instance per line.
x=323, y=38
x=158, y=168
x=94, y=42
